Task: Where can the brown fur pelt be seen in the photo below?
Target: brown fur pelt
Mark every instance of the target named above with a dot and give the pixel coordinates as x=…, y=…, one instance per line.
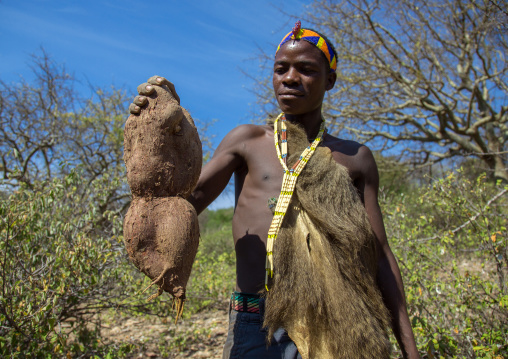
x=324, y=290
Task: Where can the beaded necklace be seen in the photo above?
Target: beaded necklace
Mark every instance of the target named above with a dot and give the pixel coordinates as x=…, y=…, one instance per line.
x=288, y=184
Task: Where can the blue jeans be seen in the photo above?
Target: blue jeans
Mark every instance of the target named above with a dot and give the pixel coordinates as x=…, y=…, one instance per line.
x=247, y=339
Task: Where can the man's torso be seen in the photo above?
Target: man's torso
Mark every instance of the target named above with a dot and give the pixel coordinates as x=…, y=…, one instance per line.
x=257, y=180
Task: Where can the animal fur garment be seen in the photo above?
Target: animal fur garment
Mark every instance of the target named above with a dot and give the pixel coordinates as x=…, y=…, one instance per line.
x=324, y=290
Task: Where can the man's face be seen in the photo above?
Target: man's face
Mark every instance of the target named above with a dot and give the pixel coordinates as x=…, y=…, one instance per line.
x=301, y=76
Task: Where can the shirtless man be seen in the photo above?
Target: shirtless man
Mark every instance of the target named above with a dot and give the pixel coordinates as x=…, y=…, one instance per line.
x=301, y=77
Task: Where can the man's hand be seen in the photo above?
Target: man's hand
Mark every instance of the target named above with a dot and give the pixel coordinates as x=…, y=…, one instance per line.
x=147, y=89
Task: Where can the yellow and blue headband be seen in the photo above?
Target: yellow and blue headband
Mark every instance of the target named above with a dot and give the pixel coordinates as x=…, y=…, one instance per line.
x=314, y=38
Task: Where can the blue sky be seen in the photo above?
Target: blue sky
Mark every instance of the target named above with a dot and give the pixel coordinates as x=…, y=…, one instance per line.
x=201, y=46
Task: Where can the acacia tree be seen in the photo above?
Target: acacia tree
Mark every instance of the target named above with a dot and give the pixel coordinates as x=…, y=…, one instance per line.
x=426, y=78
x=45, y=123
x=431, y=74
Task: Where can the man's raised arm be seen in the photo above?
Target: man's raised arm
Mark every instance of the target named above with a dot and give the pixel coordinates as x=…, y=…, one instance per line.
x=216, y=174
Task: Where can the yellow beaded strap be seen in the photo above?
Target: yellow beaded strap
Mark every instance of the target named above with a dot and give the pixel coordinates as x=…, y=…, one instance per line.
x=288, y=185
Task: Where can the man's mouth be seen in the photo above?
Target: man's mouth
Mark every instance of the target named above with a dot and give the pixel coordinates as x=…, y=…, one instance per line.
x=290, y=94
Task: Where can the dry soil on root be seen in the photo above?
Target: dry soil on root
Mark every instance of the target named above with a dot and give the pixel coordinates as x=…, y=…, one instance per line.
x=161, y=236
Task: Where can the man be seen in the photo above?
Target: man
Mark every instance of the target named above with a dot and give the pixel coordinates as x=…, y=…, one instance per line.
x=303, y=72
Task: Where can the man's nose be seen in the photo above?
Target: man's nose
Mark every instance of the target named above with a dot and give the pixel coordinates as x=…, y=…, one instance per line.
x=291, y=77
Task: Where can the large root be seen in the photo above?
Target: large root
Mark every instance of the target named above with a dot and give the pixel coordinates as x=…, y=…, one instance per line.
x=163, y=156
x=161, y=236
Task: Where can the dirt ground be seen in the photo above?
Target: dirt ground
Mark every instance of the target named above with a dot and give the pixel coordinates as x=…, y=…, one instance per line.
x=200, y=336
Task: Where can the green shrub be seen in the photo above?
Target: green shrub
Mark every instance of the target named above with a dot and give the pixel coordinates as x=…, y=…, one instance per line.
x=61, y=263
x=213, y=275
x=450, y=241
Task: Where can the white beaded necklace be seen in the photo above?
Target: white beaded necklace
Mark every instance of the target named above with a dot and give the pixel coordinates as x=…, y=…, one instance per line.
x=288, y=184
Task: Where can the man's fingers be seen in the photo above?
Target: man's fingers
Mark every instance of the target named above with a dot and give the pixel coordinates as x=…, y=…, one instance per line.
x=145, y=89
x=137, y=103
x=140, y=100
x=134, y=109
x=148, y=88
x=160, y=81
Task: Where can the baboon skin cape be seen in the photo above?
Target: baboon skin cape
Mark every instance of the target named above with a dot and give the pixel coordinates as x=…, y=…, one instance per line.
x=324, y=290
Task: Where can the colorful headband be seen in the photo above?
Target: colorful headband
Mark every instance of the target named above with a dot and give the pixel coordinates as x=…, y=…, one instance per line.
x=314, y=38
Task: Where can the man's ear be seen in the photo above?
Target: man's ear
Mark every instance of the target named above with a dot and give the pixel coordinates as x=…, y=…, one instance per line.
x=332, y=77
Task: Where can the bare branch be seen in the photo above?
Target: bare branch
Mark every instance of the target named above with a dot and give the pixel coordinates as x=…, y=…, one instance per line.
x=419, y=72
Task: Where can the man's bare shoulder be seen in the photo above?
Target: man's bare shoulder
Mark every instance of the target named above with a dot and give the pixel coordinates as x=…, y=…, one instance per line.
x=247, y=132
x=240, y=139
x=356, y=157
x=345, y=147
x=252, y=130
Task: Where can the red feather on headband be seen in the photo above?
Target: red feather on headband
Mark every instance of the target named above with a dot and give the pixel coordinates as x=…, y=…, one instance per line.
x=297, y=28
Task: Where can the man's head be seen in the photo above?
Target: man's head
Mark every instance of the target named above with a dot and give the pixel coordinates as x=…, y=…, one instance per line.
x=316, y=38
x=304, y=69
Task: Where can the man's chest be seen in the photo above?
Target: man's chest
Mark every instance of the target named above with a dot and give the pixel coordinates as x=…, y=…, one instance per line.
x=262, y=169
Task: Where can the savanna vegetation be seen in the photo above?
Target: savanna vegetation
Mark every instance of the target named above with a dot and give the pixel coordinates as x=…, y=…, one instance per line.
x=437, y=99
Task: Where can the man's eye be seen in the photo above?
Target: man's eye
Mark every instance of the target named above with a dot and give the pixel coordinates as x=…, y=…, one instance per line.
x=307, y=70
x=279, y=70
